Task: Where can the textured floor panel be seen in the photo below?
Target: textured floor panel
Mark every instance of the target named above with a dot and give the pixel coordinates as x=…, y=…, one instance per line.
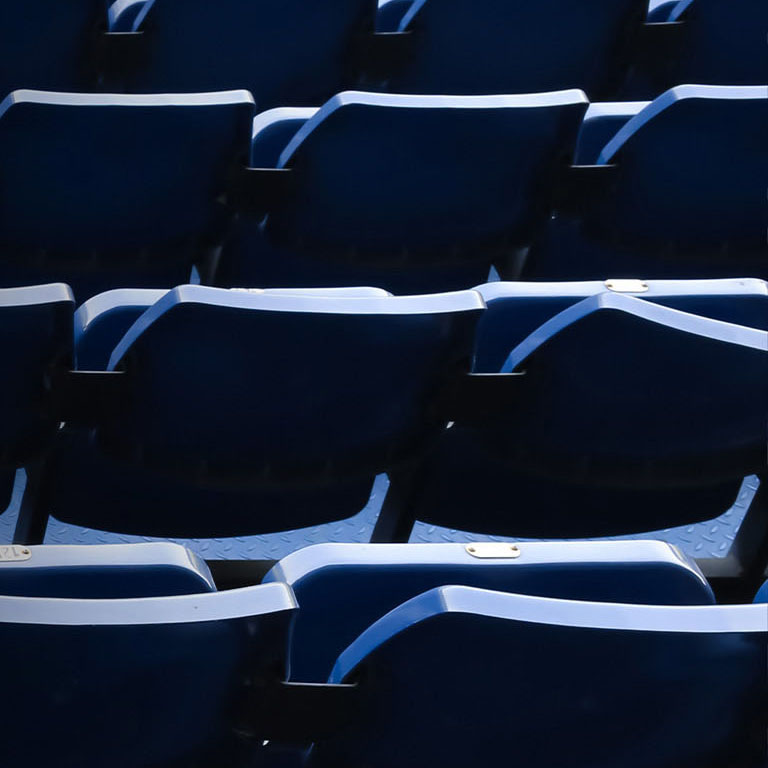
x=710, y=539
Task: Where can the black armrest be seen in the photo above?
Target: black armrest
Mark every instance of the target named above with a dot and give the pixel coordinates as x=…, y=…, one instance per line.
x=479, y=397
x=255, y=190
x=86, y=397
x=379, y=54
x=659, y=41
x=119, y=53
x=298, y=712
x=581, y=185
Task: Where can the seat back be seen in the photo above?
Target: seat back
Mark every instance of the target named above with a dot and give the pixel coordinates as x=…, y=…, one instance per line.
x=515, y=310
x=158, y=681
x=233, y=386
x=48, y=44
x=724, y=43
x=649, y=391
x=115, y=176
x=456, y=177
x=498, y=47
x=343, y=588
x=461, y=676
x=35, y=337
x=691, y=173
x=286, y=53
x=103, y=571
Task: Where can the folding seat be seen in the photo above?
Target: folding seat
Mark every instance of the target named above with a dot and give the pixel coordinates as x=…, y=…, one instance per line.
x=677, y=192
x=108, y=190
x=343, y=588
x=463, y=676
x=48, y=44
x=35, y=336
x=285, y=53
x=236, y=412
x=128, y=656
x=464, y=47
x=630, y=415
x=709, y=41
x=459, y=181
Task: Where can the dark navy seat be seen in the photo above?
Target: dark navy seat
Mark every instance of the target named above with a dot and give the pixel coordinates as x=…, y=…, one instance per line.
x=102, y=571
x=158, y=680
x=460, y=46
x=35, y=336
x=631, y=414
x=48, y=44
x=494, y=677
x=459, y=181
x=107, y=190
x=718, y=43
x=343, y=588
x=252, y=411
x=685, y=199
x=285, y=53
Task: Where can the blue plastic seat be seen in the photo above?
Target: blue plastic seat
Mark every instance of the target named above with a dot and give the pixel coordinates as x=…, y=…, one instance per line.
x=460, y=46
x=343, y=588
x=253, y=411
x=636, y=411
x=104, y=191
x=158, y=680
x=35, y=336
x=109, y=571
x=718, y=44
x=461, y=676
x=48, y=44
x=284, y=53
x=686, y=198
x=459, y=180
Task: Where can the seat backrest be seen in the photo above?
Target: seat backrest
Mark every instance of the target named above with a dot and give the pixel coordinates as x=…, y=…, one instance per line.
x=287, y=53
x=343, y=588
x=116, y=174
x=455, y=176
x=236, y=386
x=48, y=44
x=724, y=43
x=460, y=676
x=516, y=309
x=691, y=171
x=621, y=391
x=107, y=571
x=157, y=681
x=35, y=337
x=462, y=46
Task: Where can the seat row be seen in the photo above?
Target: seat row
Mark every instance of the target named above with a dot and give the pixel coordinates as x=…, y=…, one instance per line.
x=114, y=191
x=299, y=53
x=380, y=655
x=526, y=409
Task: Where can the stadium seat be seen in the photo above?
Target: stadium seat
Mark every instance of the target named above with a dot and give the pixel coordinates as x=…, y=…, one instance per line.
x=460, y=181
x=462, y=47
x=250, y=411
x=285, y=53
x=102, y=572
x=679, y=193
x=157, y=680
x=103, y=191
x=49, y=45
x=632, y=414
x=709, y=41
x=35, y=335
x=462, y=676
x=343, y=588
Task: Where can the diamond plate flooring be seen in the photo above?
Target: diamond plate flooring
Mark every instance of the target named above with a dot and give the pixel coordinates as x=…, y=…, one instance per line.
x=709, y=539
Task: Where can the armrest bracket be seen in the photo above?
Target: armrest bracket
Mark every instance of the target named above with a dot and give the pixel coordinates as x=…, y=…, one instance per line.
x=255, y=190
